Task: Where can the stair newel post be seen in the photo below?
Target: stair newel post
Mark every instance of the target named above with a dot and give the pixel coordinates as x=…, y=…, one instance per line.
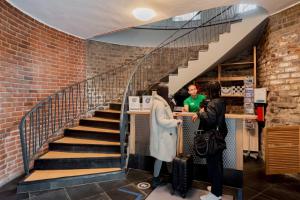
x=24, y=145
x=30, y=135
x=44, y=121
x=49, y=115
x=73, y=108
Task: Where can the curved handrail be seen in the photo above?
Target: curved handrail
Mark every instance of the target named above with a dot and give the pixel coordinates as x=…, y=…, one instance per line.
x=64, y=107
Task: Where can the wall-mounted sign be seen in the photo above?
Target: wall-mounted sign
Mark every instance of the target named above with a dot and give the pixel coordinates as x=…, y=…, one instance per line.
x=260, y=95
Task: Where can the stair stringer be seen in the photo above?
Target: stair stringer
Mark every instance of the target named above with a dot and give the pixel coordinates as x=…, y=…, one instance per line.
x=215, y=52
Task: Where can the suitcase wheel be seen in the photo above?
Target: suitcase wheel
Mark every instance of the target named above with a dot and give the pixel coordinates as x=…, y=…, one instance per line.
x=183, y=195
x=172, y=192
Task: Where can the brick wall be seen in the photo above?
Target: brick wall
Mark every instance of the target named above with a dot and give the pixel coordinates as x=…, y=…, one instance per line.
x=279, y=67
x=102, y=57
x=35, y=61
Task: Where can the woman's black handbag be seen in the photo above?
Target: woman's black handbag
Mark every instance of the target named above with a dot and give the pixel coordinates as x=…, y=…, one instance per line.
x=207, y=143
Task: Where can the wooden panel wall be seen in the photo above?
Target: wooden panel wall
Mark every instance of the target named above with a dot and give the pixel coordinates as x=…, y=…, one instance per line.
x=282, y=149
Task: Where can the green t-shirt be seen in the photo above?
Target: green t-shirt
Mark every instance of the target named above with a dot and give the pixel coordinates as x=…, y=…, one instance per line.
x=194, y=103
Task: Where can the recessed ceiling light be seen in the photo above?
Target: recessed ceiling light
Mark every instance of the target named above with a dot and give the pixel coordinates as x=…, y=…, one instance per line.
x=143, y=14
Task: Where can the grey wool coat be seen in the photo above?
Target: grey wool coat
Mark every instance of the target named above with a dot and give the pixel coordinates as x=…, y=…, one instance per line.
x=163, y=130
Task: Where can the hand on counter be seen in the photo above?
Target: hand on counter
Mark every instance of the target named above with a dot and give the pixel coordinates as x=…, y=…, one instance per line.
x=184, y=109
x=194, y=117
x=179, y=122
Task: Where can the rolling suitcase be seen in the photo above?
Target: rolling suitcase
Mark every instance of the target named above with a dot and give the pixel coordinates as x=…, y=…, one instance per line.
x=182, y=174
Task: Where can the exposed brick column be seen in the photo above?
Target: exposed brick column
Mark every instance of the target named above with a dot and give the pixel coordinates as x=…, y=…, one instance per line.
x=279, y=67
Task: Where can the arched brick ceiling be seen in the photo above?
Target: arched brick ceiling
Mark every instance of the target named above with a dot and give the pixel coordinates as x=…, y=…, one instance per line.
x=89, y=18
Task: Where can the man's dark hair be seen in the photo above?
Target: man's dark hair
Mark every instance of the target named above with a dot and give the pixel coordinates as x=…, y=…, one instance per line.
x=214, y=89
x=188, y=87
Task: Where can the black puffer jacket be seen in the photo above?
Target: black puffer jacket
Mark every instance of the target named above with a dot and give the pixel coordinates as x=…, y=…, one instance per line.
x=214, y=116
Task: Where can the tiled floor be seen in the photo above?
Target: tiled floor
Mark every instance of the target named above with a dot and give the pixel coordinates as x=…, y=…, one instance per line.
x=113, y=190
x=256, y=186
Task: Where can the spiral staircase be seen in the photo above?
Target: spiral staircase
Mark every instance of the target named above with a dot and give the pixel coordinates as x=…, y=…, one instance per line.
x=80, y=134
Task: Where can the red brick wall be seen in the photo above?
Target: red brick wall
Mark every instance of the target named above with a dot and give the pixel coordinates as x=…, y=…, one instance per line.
x=279, y=67
x=35, y=61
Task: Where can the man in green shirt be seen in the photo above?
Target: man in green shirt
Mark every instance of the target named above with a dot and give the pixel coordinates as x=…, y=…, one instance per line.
x=192, y=103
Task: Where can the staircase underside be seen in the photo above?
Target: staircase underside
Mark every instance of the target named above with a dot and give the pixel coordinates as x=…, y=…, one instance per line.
x=217, y=51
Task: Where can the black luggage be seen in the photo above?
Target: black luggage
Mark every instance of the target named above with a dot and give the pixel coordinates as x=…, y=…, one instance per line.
x=182, y=174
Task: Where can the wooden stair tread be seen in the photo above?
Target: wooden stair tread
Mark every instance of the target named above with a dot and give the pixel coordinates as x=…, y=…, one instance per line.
x=59, y=155
x=88, y=128
x=102, y=119
x=110, y=111
x=71, y=140
x=51, y=174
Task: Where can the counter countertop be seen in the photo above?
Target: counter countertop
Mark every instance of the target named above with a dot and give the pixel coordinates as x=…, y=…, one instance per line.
x=231, y=116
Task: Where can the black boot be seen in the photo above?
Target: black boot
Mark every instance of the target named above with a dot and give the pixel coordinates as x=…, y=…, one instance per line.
x=156, y=182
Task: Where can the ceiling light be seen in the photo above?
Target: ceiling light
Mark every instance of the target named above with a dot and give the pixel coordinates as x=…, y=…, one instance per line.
x=143, y=14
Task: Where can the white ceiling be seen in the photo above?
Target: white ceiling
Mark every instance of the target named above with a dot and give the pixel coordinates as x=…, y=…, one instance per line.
x=88, y=18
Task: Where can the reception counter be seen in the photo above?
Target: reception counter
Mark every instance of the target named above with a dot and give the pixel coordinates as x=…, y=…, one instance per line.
x=235, y=139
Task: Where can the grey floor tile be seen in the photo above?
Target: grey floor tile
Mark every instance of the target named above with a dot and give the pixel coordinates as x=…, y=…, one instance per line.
x=113, y=185
x=119, y=195
x=83, y=191
x=102, y=196
x=281, y=192
x=49, y=195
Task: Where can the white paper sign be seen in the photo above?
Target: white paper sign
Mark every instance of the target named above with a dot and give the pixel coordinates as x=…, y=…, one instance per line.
x=260, y=95
x=134, y=103
x=147, y=102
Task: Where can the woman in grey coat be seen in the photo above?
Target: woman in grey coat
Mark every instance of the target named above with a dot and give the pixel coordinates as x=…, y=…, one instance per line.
x=163, y=132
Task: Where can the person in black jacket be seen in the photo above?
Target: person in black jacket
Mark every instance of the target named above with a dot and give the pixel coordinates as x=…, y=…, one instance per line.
x=212, y=116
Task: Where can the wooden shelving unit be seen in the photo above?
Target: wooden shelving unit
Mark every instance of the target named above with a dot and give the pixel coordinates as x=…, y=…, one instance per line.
x=223, y=79
x=237, y=63
x=238, y=78
x=234, y=96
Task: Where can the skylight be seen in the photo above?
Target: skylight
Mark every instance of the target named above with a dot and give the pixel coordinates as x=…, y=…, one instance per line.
x=246, y=7
x=187, y=17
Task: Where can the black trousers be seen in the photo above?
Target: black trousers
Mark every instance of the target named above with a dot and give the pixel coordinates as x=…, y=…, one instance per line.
x=215, y=173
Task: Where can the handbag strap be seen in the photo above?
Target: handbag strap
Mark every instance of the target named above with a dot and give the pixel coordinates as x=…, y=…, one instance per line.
x=202, y=154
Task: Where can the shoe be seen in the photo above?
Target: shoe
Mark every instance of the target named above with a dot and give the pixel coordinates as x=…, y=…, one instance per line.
x=210, y=196
x=155, y=182
x=208, y=188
